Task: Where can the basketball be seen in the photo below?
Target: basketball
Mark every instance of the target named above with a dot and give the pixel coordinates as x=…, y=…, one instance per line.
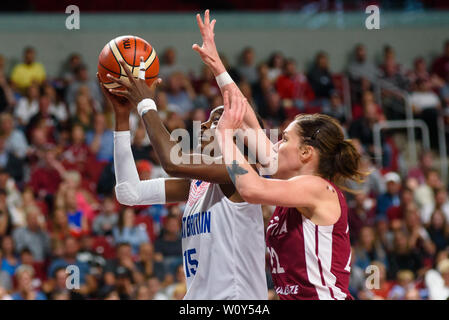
x=130, y=49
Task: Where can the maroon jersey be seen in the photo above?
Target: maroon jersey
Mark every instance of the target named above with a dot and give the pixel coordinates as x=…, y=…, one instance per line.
x=309, y=262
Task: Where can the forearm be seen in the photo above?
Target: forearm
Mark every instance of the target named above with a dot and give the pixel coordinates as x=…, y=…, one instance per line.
x=244, y=177
x=187, y=165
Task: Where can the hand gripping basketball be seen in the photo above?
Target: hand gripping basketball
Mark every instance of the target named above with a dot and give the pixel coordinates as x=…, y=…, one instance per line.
x=135, y=90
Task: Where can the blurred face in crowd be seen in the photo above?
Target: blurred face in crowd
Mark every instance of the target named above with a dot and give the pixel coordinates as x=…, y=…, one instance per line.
x=4, y=176
x=83, y=74
x=274, y=102
x=146, y=251
x=393, y=187
x=29, y=56
x=109, y=206
x=437, y=220
x=248, y=56
x=33, y=92
x=128, y=217
x=433, y=180
x=170, y=56
x=278, y=61
x=322, y=61
x=83, y=104
x=412, y=218
x=77, y=135
x=441, y=196
x=400, y=241
x=100, y=122
x=427, y=160
x=367, y=237
x=75, y=61
x=71, y=247
x=172, y=225
x=420, y=65
x=154, y=285
x=60, y=279
x=124, y=251
x=24, y=280
x=7, y=123
x=175, y=82
x=290, y=68
x=143, y=293
x=44, y=104
x=360, y=53
x=7, y=245
x=113, y=295
x=26, y=258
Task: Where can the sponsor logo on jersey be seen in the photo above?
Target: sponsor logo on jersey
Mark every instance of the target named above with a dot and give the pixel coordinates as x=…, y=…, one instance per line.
x=195, y=224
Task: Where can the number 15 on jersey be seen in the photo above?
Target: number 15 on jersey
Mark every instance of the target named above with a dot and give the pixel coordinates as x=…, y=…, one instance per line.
x=190, y=263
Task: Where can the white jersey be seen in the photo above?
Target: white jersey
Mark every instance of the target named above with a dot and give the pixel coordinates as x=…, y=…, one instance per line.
x=223, y=246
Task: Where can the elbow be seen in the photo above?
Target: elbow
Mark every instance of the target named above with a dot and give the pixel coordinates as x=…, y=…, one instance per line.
x=171, y=169
x=249, y=194
x=126, y=194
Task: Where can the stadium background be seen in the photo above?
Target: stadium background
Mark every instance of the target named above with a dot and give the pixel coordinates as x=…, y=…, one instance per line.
x=56, y=183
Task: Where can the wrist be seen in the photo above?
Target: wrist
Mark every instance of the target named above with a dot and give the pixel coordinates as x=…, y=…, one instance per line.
x=146, y=105
x=218, y=68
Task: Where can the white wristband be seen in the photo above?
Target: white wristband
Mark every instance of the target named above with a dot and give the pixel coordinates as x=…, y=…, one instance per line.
x=223, y=79
x=146, y=105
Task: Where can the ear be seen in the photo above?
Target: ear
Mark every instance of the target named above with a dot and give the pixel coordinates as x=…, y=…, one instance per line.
x=305, y=153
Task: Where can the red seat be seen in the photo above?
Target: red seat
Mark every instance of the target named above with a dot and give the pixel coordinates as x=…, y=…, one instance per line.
x=102, y=246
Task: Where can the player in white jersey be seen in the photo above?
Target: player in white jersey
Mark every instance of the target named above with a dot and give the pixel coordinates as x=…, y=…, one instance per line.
x=222, y=236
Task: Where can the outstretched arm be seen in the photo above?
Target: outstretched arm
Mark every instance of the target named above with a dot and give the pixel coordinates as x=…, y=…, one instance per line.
x=186, y=165
x=257, y=142
x=130, y=190
x=252, y=187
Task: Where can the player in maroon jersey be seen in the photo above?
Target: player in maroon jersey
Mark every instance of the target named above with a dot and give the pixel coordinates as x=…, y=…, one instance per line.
x=308, y=235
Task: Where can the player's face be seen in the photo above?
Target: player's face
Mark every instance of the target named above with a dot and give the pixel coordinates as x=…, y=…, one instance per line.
x=208, y=127
x=288, y=153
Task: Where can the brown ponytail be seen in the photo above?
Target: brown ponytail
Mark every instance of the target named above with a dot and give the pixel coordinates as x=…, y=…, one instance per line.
x=339, y=160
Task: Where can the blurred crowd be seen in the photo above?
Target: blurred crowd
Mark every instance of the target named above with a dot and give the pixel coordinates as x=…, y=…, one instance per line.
x=57, y=202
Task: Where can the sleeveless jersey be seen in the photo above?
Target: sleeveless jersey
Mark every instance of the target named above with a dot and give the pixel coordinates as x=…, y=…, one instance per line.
x=309, y=262
x=223, y=246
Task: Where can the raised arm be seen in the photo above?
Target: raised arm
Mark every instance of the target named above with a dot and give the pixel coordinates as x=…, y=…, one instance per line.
x=307, y=192
x=130, y=190
x=258, y=143
x=186, y=165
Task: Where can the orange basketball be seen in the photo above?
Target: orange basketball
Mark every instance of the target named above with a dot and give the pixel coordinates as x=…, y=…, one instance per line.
x=130, y=49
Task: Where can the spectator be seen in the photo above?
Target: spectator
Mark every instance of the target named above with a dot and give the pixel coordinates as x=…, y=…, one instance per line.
x=384, y=287
x=320, y=78
x=361, y=213
x=6, y=223
x=168, y=63
x=437, y=281
x=28, y=105
x=147, y=263
x=336, y=108
x=9, y=261
x=180, y=94
x=107, y=220
x=439, y=230
x=141, y=150
x=405, y=285
x=275, y=66
x=43, y=118
x=391, y=197
x=168, y=245
x=58, y=108
x=441, y=203
x=71, y=248
x=425, y=193
x=28, y=72
x=440, y=65
x=101, y=139
x=82, y=79
x=25, y=290
x=5, y=280
x=420, y=72
x=68, y=72
x=425, y=104
x=368, y=249
x=34, y=236
x=126, y=230
x=293, y=87
x=15, y=140
x=362, y=73
x=426, y=163
x=7, y=99
x=403, y=256
x=247, y=69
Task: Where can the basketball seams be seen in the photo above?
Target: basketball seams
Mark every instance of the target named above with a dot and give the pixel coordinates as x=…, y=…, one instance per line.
x=134, y=59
